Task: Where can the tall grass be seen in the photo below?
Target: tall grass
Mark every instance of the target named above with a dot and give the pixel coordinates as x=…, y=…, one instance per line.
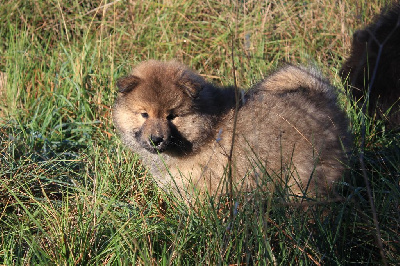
x=71, y=194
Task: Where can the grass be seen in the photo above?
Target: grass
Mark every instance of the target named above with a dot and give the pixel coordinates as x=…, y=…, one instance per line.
x=71, y=194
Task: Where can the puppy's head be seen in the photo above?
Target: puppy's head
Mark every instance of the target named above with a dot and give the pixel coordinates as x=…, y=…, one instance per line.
x=155, y=107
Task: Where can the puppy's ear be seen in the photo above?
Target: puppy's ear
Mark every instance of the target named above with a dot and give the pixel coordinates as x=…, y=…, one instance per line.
x=128, y=83
x=191, y=83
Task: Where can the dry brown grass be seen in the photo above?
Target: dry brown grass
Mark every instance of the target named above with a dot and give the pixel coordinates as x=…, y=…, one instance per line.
x=3, y=95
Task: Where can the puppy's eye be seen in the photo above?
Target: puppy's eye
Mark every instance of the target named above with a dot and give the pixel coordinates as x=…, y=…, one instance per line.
x=171, y=117
x=144, y=115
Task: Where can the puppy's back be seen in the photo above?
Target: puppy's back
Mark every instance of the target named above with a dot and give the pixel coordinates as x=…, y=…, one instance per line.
x=292, y=125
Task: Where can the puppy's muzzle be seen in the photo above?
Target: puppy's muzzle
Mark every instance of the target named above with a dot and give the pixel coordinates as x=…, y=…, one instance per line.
x=158, y=143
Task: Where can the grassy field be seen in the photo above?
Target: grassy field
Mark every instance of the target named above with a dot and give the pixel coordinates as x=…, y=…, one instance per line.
x=70, y=193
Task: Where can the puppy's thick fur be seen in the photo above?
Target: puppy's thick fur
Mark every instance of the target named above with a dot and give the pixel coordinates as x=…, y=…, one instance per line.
x=288, y=125
x=376, y=53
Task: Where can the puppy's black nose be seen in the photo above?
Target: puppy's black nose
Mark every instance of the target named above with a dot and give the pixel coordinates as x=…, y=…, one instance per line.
x=156, y=140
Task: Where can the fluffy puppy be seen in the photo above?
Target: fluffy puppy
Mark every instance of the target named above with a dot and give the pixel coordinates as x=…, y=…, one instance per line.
x=288, y=129
x=375, y=53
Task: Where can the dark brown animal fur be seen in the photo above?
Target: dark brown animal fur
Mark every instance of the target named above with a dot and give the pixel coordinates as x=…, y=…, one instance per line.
x=287, y=125
x=376, y=53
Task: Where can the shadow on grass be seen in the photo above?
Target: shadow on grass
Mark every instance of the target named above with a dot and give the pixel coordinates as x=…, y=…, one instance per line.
x=71, y=202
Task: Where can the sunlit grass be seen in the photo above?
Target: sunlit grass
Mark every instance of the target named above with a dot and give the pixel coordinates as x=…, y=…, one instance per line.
x=70, y=193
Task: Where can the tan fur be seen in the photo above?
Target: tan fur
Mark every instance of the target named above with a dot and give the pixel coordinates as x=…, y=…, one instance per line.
x=288, y=125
